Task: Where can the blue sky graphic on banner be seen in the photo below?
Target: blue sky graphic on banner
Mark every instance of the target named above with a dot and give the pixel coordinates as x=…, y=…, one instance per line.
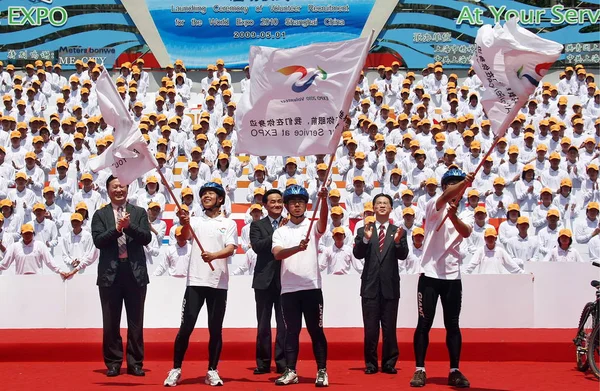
x=424, y=31
x=200, y=31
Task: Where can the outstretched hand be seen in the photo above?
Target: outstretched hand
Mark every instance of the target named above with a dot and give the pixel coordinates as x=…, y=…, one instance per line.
x=369, y=231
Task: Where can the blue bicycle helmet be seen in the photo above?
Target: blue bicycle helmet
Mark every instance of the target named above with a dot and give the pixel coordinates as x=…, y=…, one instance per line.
x=453, y=174
x=295, y=191
x=214, y=187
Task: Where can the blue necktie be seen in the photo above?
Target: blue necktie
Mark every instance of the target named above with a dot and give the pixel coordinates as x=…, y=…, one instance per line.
x=275, y=225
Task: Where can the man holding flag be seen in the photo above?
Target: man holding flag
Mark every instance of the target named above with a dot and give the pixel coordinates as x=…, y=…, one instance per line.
x=510, y=61
x=296, y=106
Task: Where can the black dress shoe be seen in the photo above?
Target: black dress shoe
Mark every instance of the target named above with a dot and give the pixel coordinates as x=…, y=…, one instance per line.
x=389, y=370
x=136, y=371
x=113, y=371
x=370, y=371
x=261, y=371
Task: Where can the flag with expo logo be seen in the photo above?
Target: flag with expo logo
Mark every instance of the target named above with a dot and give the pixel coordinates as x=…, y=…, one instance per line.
x=298, y=98
x=129, y=156
x=510, y=61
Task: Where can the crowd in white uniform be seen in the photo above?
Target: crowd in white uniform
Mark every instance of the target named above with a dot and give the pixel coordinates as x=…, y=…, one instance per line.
x=403, y=132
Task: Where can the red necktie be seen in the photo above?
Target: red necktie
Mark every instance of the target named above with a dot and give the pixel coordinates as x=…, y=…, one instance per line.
x=381, y=237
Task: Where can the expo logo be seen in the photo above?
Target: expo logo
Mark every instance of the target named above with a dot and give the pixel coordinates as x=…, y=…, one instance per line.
x=20, y=16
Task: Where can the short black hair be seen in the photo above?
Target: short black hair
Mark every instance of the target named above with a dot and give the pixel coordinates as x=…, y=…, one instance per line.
x=383, y=195
x=269, y=192
x=112, y=178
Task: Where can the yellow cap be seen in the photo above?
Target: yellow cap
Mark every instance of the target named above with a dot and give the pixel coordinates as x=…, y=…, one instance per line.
x=81, y=205
x=593, y=205
x=554, y=156
x=480, y=209
x=259, y=190
x=339, y=231
x=358, y=179
x=490, y=232
x=513, y=149
x=152, y=179
x=396, y=171
x=473, y=193
x=290, y=182
x=553, y=212
x=407, y=192
x=334, y=193
x=566, y=182
x=512, y=207
x=523, y=220
x=368, y=206
x=391, y=148
x=408, y=211
x=290, y=160
x=337, y=210
x=88, y=176
x=223, y=156
x=48, y=189
x=76, y=217
x=20, y=175
x=320, y=167
x=254, y=207
x=186, y=192
x=418, y=231
x=39, y=206
x=565, y=232
x=27, y=228
x=30, y=155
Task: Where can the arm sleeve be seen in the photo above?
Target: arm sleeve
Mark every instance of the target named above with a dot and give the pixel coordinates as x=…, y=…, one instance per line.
x=475, y=262
x=259, y=245
x=163, y=265
x=360, y=247
x=47, y=258
x=92, y=254
x=510, y=264
x=103, y=236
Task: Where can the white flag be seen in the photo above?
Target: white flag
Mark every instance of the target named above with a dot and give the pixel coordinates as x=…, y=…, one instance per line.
x=298, y=98
x=128, y=157
x=510, y=61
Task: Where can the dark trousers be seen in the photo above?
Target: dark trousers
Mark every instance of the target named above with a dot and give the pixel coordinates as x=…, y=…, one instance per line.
x=378, y=311
x=193, y=300
x=450, y=293
x=294, y=305
x=266, y=299
x=124, y=289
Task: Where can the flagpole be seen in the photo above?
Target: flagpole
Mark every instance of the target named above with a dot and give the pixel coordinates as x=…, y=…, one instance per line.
x=314, y=215
x=165, y=183
x=512, y=115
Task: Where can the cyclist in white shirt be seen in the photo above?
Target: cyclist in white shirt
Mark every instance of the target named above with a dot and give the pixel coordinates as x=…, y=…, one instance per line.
x=218, y=237
x=441, y=274
x=301, y=292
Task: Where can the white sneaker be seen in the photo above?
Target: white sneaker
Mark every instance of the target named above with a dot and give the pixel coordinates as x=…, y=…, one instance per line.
x=213, y=379
x=288, y=377
x=173, y=377
x=322, y=378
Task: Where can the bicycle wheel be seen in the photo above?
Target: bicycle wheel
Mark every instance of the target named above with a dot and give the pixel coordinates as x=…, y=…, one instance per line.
x=593, y=351
x=586, y=324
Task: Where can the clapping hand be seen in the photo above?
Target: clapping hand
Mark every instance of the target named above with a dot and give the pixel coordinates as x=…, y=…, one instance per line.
x=398, y=235
x=123, y=222
x=369, y=231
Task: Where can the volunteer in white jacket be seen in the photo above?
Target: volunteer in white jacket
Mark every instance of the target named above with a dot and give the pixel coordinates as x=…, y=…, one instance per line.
x=492, y=259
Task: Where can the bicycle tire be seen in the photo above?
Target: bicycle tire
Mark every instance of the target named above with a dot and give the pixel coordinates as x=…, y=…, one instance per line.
x=582, y=337
x=593, y=351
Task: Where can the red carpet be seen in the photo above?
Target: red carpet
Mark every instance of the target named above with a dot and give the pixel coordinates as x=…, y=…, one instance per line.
x=547, y=345
x=343, y=375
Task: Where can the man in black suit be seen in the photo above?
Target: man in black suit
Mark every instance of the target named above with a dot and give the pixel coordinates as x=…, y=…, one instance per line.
x=381, y=245
x=267, y=286
x=120, y=231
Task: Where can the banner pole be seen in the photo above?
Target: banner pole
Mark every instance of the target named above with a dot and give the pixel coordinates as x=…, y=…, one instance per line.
x=164, y=181
x=317, y=204
x=512, y=115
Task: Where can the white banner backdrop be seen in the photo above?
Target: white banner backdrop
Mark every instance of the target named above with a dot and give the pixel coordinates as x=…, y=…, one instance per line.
x=553, y=300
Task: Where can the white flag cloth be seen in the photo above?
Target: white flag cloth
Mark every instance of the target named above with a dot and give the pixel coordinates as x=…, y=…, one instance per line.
x=128, y=157
x=510, y=61
x=298, y=98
